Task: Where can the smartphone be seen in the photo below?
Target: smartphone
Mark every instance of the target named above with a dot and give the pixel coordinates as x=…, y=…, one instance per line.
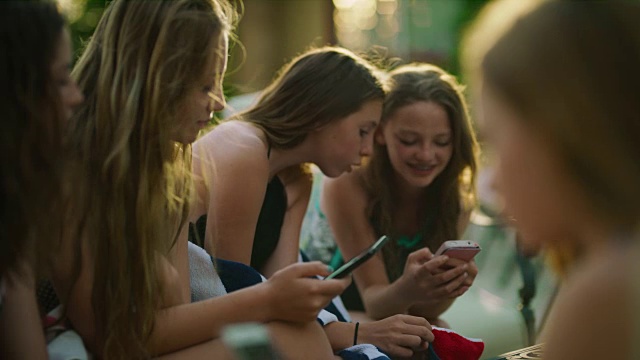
x=348, y=267
x=459, y=249
x=249, y=341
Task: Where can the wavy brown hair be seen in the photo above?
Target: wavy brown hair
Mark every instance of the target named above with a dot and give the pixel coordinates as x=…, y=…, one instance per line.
x=135, y=72
x=452, y=191
x=32, y=163
x=318, y=87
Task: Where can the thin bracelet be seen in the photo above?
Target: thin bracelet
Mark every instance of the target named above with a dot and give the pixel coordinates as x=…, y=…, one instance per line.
x=355, y=334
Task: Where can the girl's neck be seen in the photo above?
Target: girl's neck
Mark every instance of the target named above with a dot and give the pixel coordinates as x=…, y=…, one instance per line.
x=409, y=206
x=280, y=159
x=407, y=195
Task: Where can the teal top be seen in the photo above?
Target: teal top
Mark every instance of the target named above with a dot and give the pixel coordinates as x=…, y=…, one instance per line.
x=409, y=243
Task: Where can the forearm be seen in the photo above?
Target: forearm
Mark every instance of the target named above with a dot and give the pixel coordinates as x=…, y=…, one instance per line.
x=300, y=340
x=189, y=324
x=431, y=310
x=340, y=335
x=179, y=258
x=382, y=301
x=279, y=260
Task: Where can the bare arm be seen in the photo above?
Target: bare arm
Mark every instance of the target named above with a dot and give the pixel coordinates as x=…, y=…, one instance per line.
x=21, y=335
x=298, y=188
x=398, y=335
x=289, y=296
x=344, y=202
x=236, y=173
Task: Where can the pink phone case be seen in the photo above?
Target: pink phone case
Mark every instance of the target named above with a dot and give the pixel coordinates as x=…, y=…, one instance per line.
x=462, y=254
x=459, y=249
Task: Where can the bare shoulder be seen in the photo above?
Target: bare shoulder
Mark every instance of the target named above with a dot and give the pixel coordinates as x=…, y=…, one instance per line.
x=347, y=190
x=231, y=146
x=222, y=157
x=232, y=139
x=592, y=317
x=297, y=182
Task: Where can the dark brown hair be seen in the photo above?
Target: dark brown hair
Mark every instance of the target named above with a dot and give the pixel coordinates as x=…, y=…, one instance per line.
x=32, y=163
x=314, y=89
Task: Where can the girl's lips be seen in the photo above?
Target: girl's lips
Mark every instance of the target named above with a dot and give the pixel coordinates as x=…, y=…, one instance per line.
x=422, y=167
x=422, y=170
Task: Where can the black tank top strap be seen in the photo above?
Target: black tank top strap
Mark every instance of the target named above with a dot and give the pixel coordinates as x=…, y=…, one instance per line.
x=270, y=221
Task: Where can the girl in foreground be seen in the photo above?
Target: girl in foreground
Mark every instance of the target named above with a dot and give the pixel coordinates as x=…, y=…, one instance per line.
x=560, y=104
x=418, y=187
x=37, y=96
x=152, y=76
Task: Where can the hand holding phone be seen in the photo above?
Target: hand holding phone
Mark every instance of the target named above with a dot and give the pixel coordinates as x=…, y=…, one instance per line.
x=352, y=264
x=464, y=250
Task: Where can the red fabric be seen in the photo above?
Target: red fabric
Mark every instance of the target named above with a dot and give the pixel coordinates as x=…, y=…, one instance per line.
x=450, y=345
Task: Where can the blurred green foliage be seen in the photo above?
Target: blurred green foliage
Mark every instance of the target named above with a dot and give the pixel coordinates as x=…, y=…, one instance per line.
x=89, y=13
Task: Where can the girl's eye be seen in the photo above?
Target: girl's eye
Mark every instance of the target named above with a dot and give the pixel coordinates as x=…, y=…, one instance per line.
x=363, y=132
x=408, y=142
x=443, y=143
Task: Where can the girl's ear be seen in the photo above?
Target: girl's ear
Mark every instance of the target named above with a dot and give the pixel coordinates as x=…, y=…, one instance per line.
x=379, y=136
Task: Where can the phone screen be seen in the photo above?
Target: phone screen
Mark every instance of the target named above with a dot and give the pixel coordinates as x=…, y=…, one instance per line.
x=352, y=264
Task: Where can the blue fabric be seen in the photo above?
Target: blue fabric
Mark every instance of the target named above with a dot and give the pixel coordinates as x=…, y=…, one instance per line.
x=332, y=308
x=362, y=352
x=235, y=275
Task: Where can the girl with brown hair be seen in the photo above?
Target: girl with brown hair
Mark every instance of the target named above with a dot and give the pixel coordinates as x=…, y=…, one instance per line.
x=323, y=109
x=418, y=188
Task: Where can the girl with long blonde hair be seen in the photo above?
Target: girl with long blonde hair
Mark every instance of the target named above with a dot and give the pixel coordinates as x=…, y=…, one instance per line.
x=152, y=75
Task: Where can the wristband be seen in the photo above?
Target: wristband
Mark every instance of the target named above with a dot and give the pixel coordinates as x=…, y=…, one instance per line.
x=355, y=334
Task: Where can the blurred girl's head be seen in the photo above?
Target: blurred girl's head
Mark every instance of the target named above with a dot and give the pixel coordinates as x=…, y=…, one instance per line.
x=329, y=91
x=36, y=95
x=561, y=103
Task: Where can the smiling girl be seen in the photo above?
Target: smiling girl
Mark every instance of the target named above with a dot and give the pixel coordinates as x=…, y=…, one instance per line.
x=322, y=109
x=417, y=187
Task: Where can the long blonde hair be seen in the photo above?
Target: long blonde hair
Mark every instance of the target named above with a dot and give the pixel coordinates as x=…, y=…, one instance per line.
x=135, y=73
x=570, y=70
x=453, y=191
